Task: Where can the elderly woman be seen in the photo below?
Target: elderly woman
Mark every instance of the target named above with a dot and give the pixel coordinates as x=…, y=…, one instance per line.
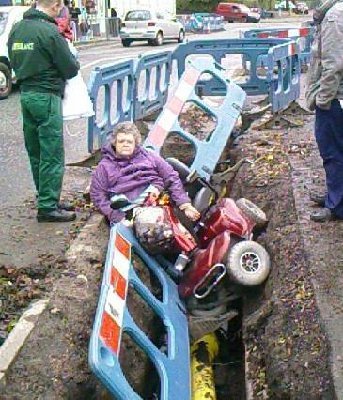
x=127, y=168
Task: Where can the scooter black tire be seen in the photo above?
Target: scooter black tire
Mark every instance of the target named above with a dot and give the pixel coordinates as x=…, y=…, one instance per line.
x=252, y=211
x=248, y=263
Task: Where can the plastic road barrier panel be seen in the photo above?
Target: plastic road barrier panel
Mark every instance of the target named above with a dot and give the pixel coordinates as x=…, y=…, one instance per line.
x=113, y=319
x=305, y=35
x=218, y=49
x=152, y=72
x=209, y=151
x=116, y=83
x=286, y=87
x=115, y=89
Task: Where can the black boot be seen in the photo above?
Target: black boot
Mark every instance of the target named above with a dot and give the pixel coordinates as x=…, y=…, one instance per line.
x=66, y=206
x=57, y=215
x=322, y=215
x=317, y=198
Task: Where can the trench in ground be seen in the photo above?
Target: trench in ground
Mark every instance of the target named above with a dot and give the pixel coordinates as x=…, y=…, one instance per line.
x=229, y=366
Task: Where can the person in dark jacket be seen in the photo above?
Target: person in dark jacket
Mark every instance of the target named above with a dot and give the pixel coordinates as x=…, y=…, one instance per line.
x=127, y=168
x=42, y=62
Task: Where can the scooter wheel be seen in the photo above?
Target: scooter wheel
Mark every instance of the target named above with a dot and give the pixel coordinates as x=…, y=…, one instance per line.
x=248, y=263
x=252, y=211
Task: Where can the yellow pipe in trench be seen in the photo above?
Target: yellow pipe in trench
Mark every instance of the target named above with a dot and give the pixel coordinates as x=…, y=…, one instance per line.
x=203, y=352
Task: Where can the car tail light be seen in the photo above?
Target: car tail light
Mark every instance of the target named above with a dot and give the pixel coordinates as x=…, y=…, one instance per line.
x=123, y=24
x=151, y=23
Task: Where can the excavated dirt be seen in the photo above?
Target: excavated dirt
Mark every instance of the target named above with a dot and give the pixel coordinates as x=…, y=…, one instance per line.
x=287, y=350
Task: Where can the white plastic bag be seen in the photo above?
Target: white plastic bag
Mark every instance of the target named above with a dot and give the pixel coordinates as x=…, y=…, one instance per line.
x=76, y=102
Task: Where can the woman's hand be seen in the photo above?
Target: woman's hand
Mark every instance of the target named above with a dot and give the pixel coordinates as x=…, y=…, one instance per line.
x=190, y=212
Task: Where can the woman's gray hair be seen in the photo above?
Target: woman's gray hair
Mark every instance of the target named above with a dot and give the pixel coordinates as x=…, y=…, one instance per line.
x=128, y=128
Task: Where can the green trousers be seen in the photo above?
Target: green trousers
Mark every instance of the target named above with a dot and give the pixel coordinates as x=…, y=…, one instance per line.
x=43, y=135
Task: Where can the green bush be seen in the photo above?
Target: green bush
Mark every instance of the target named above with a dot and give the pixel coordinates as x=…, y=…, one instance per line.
x=189, y=6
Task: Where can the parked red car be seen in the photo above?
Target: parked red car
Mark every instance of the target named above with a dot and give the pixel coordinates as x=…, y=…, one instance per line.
x=235, y=12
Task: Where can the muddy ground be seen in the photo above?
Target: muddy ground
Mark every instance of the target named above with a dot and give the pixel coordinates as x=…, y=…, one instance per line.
x=22, y=282
x=287, y=349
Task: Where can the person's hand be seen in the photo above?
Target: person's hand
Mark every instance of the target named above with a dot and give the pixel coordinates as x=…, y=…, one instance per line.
x=190, y=212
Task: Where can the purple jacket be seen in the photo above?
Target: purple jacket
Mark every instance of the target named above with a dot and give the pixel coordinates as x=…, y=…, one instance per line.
x=131, y=176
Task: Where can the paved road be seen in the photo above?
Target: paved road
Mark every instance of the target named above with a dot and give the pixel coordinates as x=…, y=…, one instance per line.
x=22, y=240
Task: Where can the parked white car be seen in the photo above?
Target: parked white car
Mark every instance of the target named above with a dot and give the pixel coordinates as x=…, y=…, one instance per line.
x=8, y=17
x=153, y=26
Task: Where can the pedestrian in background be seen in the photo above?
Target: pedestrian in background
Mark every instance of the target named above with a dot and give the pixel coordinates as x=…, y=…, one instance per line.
x=324, y=93
x=42, y=62
x=74, y=17
x=63, y=22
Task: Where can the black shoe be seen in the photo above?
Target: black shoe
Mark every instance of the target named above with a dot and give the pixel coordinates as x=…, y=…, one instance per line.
x=62, y=205
x=66, y=206
x=57, y=215
x=322, y=215
x=317, y=198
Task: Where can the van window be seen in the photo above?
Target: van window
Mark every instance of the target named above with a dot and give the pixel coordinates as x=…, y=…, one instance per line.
x=3, y=21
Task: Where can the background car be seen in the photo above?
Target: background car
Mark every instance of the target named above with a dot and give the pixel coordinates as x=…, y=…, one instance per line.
x=153, y=26
x=8, y=17
x=235, y=12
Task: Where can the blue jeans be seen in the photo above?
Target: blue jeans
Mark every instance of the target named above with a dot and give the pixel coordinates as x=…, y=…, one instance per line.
x=329, y=137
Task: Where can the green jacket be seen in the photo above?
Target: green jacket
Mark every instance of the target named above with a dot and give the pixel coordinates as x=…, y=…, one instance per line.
x=39, y=55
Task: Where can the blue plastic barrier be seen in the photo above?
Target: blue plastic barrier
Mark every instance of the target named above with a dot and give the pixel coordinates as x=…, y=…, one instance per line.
x=156, y=69
x=208, y=152
x=202, y=22
x=122, y=75
x=305, y=36
x=285, y=86
x=113, y=319
x=130, y=106
x=253, y=49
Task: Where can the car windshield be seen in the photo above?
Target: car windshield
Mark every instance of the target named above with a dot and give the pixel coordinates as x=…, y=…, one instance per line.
x=140, y=15
x=3, y=21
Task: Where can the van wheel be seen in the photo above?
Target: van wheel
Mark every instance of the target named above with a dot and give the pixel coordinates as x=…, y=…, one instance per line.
x=126, y=42
x=248, y=263
x=5, y=81
x=159, y=39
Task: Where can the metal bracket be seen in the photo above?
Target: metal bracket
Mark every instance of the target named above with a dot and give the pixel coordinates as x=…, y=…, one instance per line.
x=220, y=180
